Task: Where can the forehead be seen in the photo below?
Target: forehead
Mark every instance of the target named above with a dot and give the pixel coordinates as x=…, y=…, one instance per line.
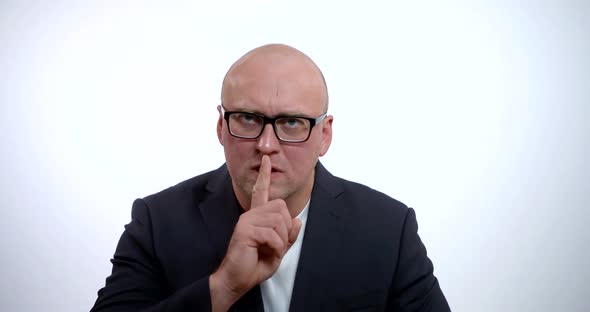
x=278, y=98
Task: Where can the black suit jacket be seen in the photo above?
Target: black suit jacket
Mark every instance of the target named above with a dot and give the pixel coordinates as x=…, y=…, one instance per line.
x=360, y=252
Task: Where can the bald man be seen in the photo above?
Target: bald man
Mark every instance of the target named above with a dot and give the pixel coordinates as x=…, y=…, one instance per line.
x=271, y=229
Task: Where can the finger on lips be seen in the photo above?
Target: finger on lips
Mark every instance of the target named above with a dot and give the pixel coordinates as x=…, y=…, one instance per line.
x=261, y=187
x=284, y=227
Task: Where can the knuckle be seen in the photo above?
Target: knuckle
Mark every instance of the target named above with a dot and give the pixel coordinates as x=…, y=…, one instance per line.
x=279, y=243
x=276, y=218
x=278, y=204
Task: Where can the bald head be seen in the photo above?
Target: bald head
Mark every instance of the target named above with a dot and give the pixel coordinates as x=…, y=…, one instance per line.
x=274, y=70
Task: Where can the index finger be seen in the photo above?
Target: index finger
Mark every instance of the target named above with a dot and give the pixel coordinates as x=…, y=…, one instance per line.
x=262, y=187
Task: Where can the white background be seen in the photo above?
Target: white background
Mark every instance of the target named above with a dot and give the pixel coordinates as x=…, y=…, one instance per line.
x=474, y=113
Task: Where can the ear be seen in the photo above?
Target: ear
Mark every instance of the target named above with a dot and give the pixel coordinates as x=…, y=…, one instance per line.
x=219, y=125
x=326, y=135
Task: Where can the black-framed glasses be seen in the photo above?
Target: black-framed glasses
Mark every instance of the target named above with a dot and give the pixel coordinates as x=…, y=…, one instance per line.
x=290, y=129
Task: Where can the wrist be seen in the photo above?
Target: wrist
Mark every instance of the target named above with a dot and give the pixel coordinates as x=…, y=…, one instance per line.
x=223, y=296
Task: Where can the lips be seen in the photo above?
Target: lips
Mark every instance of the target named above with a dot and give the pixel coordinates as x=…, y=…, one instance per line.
x=272, y=169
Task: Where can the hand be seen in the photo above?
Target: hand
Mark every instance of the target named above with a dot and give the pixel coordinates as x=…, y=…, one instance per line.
x=261, y=238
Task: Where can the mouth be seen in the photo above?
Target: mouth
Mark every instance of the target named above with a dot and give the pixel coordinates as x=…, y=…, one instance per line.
x=272, y=170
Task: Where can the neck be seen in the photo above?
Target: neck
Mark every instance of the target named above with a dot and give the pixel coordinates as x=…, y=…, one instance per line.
x=296, y=202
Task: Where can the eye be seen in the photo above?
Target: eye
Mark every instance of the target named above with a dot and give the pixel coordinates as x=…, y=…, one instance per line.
x=247, y=118
x=292, y=122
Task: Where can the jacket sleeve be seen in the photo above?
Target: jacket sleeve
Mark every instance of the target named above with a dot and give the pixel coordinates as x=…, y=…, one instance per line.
x=137, y=281
x=414, y=287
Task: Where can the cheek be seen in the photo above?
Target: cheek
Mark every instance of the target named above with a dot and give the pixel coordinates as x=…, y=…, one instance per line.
x=236, y=153
x=302, y=158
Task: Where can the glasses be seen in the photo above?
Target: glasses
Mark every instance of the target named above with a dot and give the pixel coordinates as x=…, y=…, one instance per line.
x=290, y=129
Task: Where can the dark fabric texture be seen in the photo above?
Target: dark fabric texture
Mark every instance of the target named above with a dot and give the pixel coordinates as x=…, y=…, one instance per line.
x=361, y=251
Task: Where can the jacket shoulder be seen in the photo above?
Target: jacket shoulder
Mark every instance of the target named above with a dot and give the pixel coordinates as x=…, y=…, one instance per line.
x=367, y=202
x=356, y=189
x=188, y=190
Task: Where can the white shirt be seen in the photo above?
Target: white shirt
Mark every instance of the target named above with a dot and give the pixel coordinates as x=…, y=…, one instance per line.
x=277, y=290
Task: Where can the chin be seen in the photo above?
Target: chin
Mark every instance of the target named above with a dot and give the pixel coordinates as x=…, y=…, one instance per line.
x=282, y=193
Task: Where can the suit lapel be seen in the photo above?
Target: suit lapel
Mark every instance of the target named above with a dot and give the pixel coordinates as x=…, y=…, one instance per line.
x=221, y=211
x=323, y=233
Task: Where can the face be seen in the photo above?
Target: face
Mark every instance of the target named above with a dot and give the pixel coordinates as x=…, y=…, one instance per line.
x=282, y=86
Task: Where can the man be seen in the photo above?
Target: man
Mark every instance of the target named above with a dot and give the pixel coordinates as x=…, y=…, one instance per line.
x=272, y=229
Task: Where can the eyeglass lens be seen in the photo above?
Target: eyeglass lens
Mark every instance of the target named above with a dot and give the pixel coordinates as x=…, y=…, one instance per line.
x=287, y=128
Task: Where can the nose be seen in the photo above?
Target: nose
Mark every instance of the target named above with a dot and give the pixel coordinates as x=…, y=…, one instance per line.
x=268, y=142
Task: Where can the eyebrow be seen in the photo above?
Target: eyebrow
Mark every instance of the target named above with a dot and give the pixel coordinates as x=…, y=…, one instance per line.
x=285, y=114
